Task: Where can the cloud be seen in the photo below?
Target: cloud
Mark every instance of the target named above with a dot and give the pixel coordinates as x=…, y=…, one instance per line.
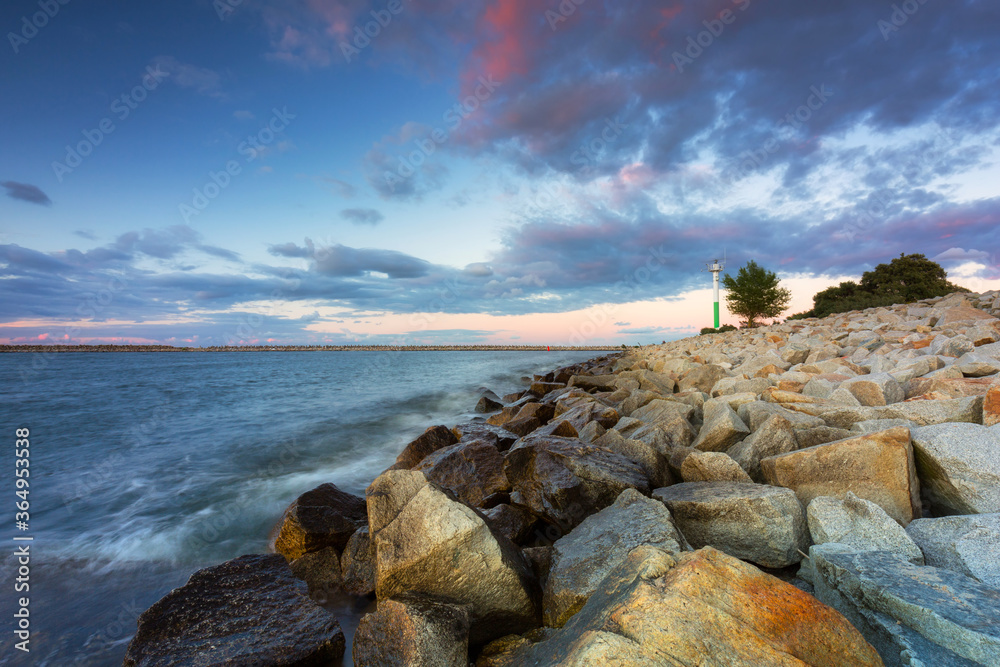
x=362, y=216
x=340, y=188
x=200, y=79
x=26, y=192
x=242, y=114
x=961, y=255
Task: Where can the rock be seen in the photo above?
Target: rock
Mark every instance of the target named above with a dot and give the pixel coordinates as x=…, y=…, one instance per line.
x=976, y=365
x=756, y=413
x=820, y=435
x=558, y=426
x=651, y=459
x=497, y=436
x=722, y=428
x=541, y=561
x=413, y=630
x=763, y=524
x=433, y=439
x=951, y=347
x=487, y=404
x=542, y=389
x=522, y=426
x=357, y=564
x=428, y=544
x=947, y=609
x=217, y=616
x=712, y=467
x=671, y=419
x=514, y=523
x=875, y=389
x=320, y=570
x=991, y=407
x=696, y=609
x=878, y=467
x=702, y=378
x=592, y=383
x=966, y=544
x=636, y=400
x=320, y=518
x=876, y=425
x=859, y=524
x=563, y=480
x=959, y=467
x=591, y=432
x=773, y=437
x=921, y=412
x=472, y=471
x=582, y=415
x=583, y=558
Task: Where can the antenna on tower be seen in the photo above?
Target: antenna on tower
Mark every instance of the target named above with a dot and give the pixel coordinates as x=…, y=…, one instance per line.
x=716, y=267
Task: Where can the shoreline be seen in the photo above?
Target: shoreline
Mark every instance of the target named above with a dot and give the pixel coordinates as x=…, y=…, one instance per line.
x=15, y=349
x=603, y=487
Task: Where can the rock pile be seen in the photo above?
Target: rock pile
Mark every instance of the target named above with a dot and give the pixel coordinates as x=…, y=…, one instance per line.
x=818, y=492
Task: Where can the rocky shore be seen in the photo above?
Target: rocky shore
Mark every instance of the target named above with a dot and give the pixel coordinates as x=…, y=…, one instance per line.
x=819, y=492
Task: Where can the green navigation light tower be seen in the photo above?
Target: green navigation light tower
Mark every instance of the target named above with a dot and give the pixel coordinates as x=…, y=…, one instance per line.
x=716, y=267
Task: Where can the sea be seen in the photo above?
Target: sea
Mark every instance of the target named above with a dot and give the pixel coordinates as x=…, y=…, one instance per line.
x=145, y=467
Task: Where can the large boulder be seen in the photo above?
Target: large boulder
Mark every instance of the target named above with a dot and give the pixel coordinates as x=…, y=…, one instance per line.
x=700, y=466
x=859, y=524
x=320, y=518
x=357, y=564
x=651, y=459
x=966, y=544
x=935, y=616
x=429, y=442
x=413, y=630
x=959, y=467
x=775, y=436
x=692, y=610
x=563, y=480
x=497, y=436
x=722, y=428
x=217, y=618
x=875, y=389
x=669, y=417
x=878, y=467
x=473, y=471
x=582, y=559
x=762, y=524
x=428, y=544
x=702, y=378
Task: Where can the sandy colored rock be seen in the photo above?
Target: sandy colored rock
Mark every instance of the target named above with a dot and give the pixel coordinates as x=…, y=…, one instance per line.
x=859, y=524
x=722, y=428
x=413, y=630
x=775, y=436
x=959, y=467
x=966, y=544
x=712, y=467
x=655, y=609
x=357, y=564
x=428, y=544
x=878, y=467
x=763, y=524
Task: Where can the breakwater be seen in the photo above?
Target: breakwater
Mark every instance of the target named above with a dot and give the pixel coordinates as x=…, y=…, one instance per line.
x=835, y=477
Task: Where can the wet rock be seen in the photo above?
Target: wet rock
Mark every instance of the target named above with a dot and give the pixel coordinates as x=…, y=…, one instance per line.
x=966, y=544
x=413, y=630
x=428, y=544
x=878, y=467
x=217, y=616
x=431, y=440
x=497, y=436
x=320, y=518
x=541, y=389
x=657, y=609
x=514, y=523
x=472, y=471
x=959, y=467
x=320, y=570
x=357, y=564
x=487, y=404
x=762, y=524
x=563, y=480
x=583, y=558
x=594, y=382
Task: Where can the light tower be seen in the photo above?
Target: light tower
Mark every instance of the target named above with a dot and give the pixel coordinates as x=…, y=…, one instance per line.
x=716, y=267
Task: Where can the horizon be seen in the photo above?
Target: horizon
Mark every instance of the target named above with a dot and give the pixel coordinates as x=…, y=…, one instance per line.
x=251, y=172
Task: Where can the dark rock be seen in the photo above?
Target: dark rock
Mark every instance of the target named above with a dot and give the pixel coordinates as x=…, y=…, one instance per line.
x=514, y=523
x=320, y=570
x=218, y=616
x=594, y=382
x=471, y=471
x=488, y=405
x=413, y=630
x=320, y=518
x=497, y=436
x=542, y=388
x=563, y=480
x=357, y=564
x=429, y=442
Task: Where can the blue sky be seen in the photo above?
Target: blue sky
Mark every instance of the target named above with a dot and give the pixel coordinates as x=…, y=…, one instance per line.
x=220, y=172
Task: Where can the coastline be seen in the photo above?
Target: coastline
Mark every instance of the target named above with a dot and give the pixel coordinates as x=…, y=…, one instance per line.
x=631, y=463
x=15, y=349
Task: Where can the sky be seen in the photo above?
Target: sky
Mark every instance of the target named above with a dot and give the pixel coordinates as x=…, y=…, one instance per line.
x=211, y=172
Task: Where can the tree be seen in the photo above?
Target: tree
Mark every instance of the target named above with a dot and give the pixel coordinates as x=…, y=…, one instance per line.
x=755, y=293
x=905, y=279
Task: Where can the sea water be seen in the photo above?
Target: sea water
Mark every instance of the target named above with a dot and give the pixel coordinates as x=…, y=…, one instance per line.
x=148, y=466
